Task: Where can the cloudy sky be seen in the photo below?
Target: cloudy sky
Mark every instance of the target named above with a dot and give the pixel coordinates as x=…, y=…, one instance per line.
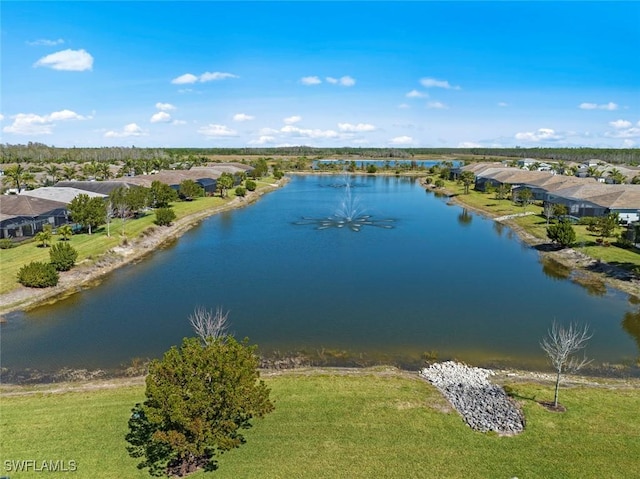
x=380, y=74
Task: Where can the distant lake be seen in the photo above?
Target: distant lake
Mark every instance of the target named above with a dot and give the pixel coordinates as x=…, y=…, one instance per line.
x=417, y=277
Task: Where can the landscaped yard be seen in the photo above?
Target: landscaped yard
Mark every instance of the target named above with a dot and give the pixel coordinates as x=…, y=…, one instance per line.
x=368, y=423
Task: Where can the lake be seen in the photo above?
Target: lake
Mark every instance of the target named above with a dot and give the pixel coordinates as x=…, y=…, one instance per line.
x=417, y=278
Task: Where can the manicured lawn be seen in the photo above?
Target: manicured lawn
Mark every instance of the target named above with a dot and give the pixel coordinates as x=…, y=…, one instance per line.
x=91, y=247
x=332, y=425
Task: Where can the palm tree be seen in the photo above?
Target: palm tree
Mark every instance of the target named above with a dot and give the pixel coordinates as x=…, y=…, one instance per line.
x=68, y=172
x=617, y=176
x=53, y=171
x=66, y=231
x=44, y=236
x=593, y=172
x=19, y=176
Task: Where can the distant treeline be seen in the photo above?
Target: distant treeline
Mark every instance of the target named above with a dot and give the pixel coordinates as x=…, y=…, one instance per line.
x=38, y=152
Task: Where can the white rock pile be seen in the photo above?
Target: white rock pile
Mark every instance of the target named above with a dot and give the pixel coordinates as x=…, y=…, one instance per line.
x=484, y=406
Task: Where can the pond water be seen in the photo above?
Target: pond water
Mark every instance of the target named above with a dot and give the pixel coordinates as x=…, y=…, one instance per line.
x=419, y=277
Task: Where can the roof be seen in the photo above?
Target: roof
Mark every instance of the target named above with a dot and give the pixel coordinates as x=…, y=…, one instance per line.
x=22, y=205
x=102, y=187
x=615, y=197
x=63, y=194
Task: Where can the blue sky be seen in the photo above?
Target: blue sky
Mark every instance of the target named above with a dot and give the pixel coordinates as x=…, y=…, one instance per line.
x=369, y=74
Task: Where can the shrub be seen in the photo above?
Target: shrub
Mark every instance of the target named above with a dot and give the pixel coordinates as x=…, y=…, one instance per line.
x=277, y=174
x=241, y=191
x=6, y=243
x=371, y=168
x=164, y=216
x=439, y=183
x=38, y=275
x=250, y=185
x=562, y=233
x=63, y=256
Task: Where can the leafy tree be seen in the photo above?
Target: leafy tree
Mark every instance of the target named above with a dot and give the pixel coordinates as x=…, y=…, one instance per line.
x=260, y=168
x=199, y=398
x=467, y=178
x=38, y=275
x=241, y=191
x=607, y=225
x=561, y=345
x=88, y=212
x=189, y=190
x=559, y=210
x=525, y=197
x=224, y=183
x=439, y=183
x=250, y=185
x=165, y=216
x=63, y=256
x=44, y=236
x=562, y=233
x=371, y=168
x=66, y=231
x=161, y=194
x=503, y=191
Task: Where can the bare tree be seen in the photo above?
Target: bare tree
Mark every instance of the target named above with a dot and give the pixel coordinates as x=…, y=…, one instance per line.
x=561, y=345
x=209, y=325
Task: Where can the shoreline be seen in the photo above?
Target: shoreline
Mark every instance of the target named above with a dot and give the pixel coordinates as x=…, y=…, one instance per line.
x=85, y=276
x=584, y=270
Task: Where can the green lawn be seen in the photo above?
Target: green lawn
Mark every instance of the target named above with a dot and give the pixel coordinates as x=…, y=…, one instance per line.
x=536, y=225
x=360, y=425
x=91, y=247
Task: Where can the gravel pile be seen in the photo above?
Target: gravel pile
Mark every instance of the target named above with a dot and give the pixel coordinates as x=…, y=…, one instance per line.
x=484, y=406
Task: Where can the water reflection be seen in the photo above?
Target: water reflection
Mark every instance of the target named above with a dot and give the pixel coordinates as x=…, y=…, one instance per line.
x=465, y=218
x=631, y=325
x=554, y=269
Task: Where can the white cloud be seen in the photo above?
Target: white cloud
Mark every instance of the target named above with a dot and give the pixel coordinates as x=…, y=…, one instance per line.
x=347, y=81
x=132, y=129
x=160, y=117
x=70, y=60
x=436, y=105
x=263, y=140
x=343, y=81
x=185, y=79
x=401, y=140
x=403, y=106
x=165, y=106
x=32, y=124
x=542, y=134
x=360, y=127
x=628, y=143
x=178, y=122
x=308, y=133
x=503, y=104
x=216, y=131
x=1, y=117
x=242, y=117
x=623, y=129
x=594, y=106
x=417, y=94
x=189, y=78
x=214, y=76
x=469, y=144
x=434, y=83
x=620, y=124
x=65, y=115
x=45, y=42
x=313, y=80
x=292, y=119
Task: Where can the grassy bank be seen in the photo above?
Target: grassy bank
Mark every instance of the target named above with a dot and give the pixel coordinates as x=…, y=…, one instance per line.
x=336, y=423
x=92, y=247
x=536, y=225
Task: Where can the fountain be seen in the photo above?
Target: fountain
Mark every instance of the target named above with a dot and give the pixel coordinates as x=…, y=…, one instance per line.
x=349, y=215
